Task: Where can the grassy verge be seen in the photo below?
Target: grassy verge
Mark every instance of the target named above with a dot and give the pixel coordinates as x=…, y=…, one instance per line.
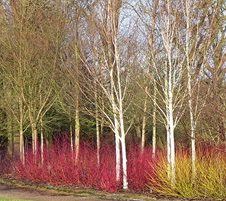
x=78, y=192
x=10, y=199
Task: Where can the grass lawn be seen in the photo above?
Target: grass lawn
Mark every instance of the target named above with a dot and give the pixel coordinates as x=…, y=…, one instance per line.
x=10, y=199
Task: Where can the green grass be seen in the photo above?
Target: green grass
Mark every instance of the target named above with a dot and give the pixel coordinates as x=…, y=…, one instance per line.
x=11, y=199
x=78, y=192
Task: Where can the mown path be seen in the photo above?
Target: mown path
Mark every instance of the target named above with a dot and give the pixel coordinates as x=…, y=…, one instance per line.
x=15, y=193
x=24, y=194
x=21, y=194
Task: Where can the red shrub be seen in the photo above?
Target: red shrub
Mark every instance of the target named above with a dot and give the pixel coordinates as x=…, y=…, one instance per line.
x=140, y=166
x=59, y=167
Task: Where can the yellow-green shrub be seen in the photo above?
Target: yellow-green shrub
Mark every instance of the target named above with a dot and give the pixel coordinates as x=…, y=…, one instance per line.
x=210, y=180
x=211, y=177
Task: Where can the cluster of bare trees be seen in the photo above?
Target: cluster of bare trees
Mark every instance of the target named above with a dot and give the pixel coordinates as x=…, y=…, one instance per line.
x=138, y=67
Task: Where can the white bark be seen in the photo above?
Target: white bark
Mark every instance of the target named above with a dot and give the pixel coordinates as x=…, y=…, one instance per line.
x=123, y=146
x=113, y=91
x=98, y=141
x=143, y=130
x=34, y=139
x=189, y=88
x=168, y=146
x=42, y=142
x=102, y=119
x=77, y=133
x=116, y=129
x=168, y=151
x=172, y=147
x=71, y=140
x=154, y=123
x=170, y=84
x=138, y=131
x=171, y=124
x=121, y=117
x=34, y=134
x=143, y=133
x=124, y=162
x=77, y=109
x=192, y=125
x=193, y=147
x=21, y=132
x=22, y=156
x=117, y=150
x=170, y=141
x=97, y=127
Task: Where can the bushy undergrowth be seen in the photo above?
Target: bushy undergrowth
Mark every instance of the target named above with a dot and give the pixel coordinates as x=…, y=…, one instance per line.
x=209, y=181
x=145, y=174
x=59, y=168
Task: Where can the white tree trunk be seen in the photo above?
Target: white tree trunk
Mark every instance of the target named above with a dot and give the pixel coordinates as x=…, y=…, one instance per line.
x=21, y=132
x=121, y=119
x=117, y=150
x=116, y=130
x=98, y=139
x=123, y=135
x=138, y=131
x=154, y=123
x=97, y=127
x=77, y=109
x=22, y=156
x=172, y=149
x=34, y=135
x=193, y=147
x=34, y=140
x=71, y=140
x=143, y=130
x=124, y=163
x=143, y=133
x=171, y=133
x=42, y=143
x=192, y=125
x=170, y=118
x=170, y=144
x=189, y=87
x=77, y=134
x=102, y=119
x=124, y=156
x=168, y=147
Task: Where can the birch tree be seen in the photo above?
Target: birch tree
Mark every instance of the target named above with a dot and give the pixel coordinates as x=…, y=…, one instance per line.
x=107, y=57
x=167, y=73
x=71, y=97
x=147, y=15
x=198, y=39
